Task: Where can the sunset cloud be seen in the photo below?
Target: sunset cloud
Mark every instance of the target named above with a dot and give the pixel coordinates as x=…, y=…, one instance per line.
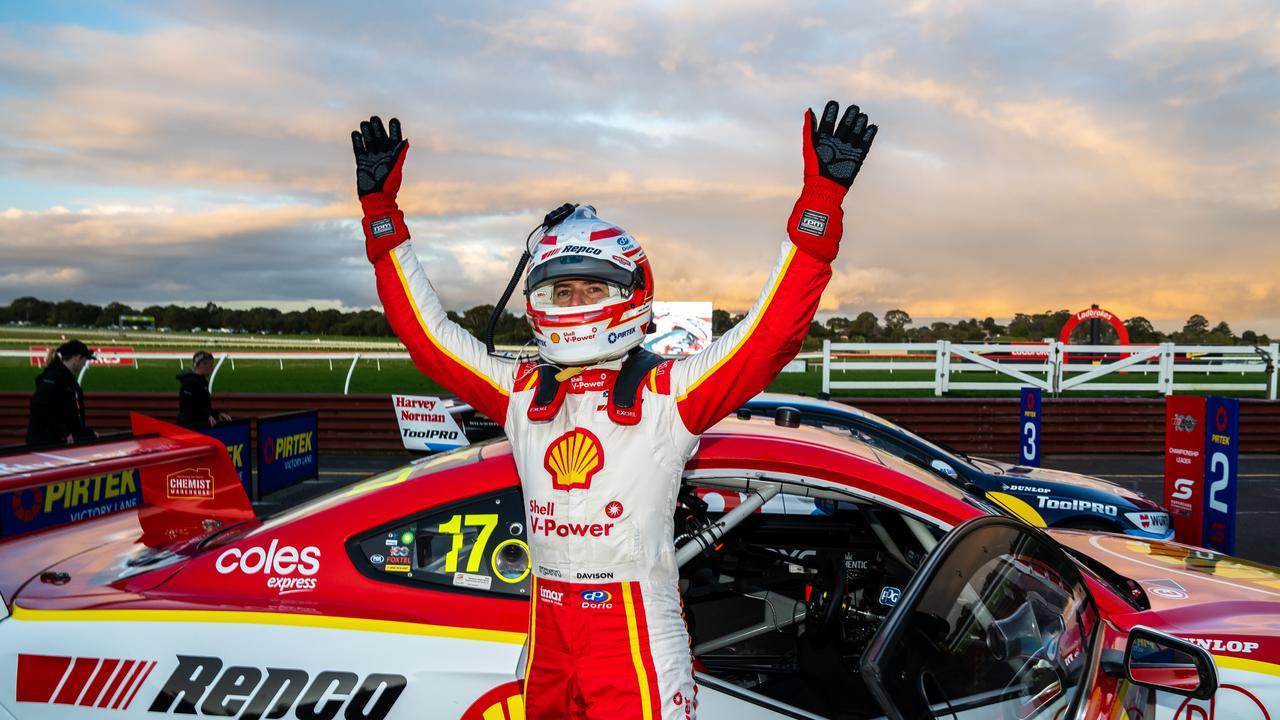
x=1030, y=158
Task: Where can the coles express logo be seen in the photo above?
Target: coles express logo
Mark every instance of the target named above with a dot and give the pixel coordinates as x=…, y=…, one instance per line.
x=288, y=569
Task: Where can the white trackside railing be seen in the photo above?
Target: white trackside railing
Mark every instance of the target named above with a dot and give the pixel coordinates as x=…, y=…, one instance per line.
x=1054, y=367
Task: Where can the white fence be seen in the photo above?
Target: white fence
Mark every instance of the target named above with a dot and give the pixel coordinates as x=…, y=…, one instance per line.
x=1054, y=367
x=183, y=358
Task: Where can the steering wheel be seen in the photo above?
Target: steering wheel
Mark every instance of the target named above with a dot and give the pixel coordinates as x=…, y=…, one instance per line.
x=826, y=601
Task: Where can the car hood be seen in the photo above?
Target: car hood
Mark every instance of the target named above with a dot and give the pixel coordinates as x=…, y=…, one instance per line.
x=1192, y=590
x=1020, y=473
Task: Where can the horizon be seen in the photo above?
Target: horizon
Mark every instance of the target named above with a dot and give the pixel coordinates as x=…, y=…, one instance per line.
x=1043, y=157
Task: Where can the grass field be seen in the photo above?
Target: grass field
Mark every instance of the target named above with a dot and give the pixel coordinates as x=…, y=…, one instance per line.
x=399, y=376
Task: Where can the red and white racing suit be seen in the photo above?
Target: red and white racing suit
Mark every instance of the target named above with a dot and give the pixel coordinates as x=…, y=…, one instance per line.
x=607, y=637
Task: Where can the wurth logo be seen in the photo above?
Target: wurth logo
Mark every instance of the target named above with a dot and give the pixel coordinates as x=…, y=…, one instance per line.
x=109, y=683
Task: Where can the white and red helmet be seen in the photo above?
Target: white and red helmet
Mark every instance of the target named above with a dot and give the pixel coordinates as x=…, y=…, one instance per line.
x=584, y=247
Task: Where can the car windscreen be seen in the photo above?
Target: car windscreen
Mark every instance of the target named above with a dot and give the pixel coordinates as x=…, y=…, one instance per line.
x=950, y=453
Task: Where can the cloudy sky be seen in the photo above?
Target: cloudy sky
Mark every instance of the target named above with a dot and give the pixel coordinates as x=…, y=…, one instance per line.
x=1032, y=156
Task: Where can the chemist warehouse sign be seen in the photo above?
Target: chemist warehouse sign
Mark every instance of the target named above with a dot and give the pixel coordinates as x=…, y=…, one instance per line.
x=287, y=450
x=31, y=509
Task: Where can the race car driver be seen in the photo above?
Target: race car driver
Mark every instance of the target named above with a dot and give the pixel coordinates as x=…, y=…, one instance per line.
x=600, y=429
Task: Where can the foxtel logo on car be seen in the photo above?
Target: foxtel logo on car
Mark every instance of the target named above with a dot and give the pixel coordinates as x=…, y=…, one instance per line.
x=278, y=562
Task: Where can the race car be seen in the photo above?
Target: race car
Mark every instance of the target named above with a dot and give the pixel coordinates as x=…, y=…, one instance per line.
x=1040, y=496
x=822, y=578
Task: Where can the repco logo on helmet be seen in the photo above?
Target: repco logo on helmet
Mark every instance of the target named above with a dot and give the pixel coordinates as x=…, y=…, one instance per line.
x=289, y=569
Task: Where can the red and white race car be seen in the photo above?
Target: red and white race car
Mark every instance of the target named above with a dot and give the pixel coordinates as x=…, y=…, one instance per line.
x=821, y=579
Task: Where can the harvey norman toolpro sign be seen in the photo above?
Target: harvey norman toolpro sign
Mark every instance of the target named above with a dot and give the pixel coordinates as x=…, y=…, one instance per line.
x=425, y=423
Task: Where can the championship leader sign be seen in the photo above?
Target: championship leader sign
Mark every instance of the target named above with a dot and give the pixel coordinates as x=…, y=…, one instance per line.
x=425, y=424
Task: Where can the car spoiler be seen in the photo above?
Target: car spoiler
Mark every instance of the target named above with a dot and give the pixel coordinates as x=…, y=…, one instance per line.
x=187, y=481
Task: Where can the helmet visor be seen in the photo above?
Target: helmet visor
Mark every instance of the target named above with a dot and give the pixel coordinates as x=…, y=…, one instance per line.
x=579, y=267
x=554, y=294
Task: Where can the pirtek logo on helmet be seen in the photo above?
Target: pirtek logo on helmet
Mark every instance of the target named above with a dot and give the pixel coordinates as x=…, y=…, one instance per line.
x=573, y=459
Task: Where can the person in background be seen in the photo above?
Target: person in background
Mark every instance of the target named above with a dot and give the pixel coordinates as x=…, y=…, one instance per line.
x=57, y=406
x=195, y=404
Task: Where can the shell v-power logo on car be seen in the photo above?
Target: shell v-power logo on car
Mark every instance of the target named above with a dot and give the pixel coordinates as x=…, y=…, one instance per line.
x=573, y=459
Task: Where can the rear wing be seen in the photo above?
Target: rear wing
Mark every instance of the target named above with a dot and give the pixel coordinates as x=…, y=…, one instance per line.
x=178, y=478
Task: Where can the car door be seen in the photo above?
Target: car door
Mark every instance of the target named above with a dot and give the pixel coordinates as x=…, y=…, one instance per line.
x=997, y=623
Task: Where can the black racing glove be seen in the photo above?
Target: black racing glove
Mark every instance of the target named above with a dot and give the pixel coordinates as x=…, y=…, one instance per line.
x=379, y=156
x=836, y=151
x=379, y=170
x=833, y=154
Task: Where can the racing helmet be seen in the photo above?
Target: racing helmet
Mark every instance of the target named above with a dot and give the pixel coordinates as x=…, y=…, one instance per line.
x=584, y=247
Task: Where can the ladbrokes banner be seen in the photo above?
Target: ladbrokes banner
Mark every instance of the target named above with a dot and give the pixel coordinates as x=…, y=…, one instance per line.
x=288, y=451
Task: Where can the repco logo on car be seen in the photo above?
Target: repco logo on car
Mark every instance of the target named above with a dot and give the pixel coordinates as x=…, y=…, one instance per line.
x=282, y=565
x=202, y=686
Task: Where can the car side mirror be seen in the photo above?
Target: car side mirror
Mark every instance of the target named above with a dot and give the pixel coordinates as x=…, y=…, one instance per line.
x=944, y=468
x=1159, y=660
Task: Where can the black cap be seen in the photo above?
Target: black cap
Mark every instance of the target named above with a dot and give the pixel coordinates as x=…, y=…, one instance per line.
x=201, y=356
x=74, y=348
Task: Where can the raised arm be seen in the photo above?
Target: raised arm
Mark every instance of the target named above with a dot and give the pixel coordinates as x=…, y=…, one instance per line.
x=743, y=361
x=441, y=349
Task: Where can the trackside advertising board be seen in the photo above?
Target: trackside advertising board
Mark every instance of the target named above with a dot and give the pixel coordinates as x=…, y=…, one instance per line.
x=288, y=450
x=1184, y=466
x=1029, y=428
x=425, y=424
x=1201, y=469
x=107, y=356
x=235, y=435
x=30, y=509
x=1221, y=473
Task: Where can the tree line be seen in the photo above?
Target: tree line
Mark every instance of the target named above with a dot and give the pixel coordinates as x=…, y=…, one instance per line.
x=894, y=326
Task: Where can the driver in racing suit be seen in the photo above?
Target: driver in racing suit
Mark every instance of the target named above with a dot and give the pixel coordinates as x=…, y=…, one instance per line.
x=600, y=430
